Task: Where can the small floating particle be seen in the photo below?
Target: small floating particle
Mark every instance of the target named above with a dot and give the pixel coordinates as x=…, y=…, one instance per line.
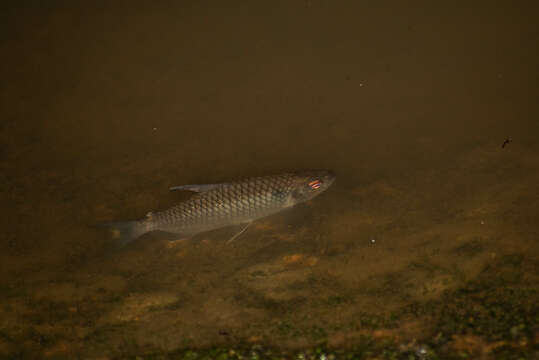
x=506, y=141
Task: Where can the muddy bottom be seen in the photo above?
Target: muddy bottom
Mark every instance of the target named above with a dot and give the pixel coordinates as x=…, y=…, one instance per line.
x=404, y=272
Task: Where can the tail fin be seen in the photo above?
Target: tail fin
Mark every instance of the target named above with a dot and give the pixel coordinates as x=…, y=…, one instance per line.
x=123, y=233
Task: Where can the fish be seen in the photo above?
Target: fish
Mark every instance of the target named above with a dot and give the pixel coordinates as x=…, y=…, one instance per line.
x=214, y=206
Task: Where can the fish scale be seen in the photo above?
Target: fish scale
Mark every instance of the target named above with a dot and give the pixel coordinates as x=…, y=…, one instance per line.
x=229, y=203
x=219, y=205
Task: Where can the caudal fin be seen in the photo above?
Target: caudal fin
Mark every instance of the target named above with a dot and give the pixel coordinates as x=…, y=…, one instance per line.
x=123, y=233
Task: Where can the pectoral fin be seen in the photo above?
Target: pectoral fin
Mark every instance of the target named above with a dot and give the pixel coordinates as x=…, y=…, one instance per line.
x=195, y=187
x=245, y=226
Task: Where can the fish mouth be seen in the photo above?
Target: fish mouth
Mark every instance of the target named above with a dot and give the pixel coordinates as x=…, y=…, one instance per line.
x=329, y=178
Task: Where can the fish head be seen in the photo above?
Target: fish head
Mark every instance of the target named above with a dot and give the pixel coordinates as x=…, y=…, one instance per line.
x=311, y=183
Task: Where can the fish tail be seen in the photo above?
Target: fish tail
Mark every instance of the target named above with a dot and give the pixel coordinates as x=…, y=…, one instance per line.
x=123, y=233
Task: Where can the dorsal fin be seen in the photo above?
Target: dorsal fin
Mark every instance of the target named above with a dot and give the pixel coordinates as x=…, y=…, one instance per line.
x=199, y=188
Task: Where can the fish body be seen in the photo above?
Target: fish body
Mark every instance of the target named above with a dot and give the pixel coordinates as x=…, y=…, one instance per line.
x=219, y=205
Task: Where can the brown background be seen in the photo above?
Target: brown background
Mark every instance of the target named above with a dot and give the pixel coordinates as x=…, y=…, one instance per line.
x=105, y=106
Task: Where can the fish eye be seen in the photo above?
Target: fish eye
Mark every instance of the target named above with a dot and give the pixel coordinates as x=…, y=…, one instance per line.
x=315, y=184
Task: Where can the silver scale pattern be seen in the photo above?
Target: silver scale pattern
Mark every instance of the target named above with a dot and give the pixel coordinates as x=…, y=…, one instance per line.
x=235, y=201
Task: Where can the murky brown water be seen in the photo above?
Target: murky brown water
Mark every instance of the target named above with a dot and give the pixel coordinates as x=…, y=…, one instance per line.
x=105, y=107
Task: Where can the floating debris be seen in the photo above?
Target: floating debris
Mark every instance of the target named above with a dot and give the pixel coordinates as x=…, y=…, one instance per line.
x=506, y=141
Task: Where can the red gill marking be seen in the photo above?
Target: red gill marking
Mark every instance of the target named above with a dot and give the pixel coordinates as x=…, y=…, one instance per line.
x=315, y=184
